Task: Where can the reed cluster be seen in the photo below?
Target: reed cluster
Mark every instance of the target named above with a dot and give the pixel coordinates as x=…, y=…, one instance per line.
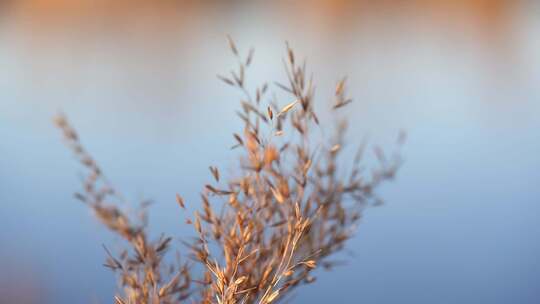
x=288, y=208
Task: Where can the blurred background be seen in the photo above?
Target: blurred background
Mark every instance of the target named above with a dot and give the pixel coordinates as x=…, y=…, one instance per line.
x=461, y=223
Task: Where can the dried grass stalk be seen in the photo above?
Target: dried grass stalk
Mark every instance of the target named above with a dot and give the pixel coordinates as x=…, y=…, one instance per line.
x=285, y=212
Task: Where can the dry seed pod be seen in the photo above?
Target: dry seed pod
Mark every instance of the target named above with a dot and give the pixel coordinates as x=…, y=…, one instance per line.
x=180, y=201
x=270, y=113
x=287, y=108
x=215, y=172
x=232, y=45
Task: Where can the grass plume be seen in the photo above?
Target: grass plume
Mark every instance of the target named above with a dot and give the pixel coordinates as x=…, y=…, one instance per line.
x=288, y=208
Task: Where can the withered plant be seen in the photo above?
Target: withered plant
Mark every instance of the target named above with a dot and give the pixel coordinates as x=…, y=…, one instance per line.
x=285, y=212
